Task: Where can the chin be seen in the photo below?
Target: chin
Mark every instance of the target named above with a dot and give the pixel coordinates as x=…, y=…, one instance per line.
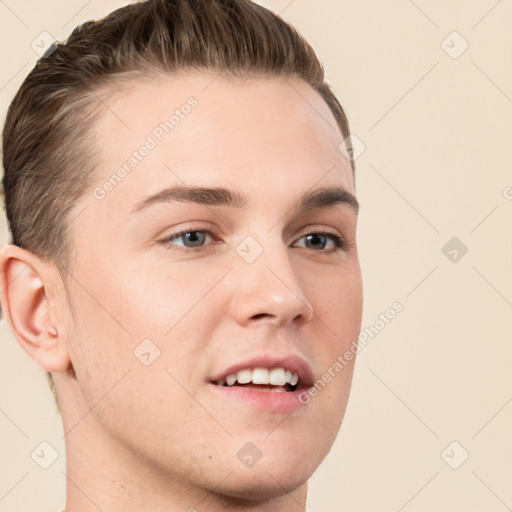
x=283, y=468
x=264, y=483
x=273, y=463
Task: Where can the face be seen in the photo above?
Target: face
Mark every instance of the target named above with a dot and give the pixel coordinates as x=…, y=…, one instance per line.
x=207, y=277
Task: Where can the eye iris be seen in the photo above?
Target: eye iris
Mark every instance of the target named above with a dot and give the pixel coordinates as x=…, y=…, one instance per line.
x=193, y=238
x=316, y=241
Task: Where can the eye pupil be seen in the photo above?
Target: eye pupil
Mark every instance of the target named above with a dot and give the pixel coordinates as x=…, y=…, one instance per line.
x=196, y=238
x=316, y=241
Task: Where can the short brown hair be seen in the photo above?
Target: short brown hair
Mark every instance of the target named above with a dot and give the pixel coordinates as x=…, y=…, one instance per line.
x=48, y=154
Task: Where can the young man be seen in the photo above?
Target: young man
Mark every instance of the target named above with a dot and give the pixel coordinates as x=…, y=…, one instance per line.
x=184, y=258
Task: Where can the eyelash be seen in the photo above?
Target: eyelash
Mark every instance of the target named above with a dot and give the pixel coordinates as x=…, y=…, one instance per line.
x=339, y=242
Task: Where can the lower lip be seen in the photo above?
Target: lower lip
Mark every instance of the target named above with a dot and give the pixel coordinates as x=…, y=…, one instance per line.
x=270, y=401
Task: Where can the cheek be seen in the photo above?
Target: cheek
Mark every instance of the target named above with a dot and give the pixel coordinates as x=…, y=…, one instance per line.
x=337, y=302
x=100, y=347
x=336, y=296
x=152, y=319
x=126, y=302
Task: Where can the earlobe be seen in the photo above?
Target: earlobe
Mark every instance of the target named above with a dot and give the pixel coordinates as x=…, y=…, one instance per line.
x=26, y=303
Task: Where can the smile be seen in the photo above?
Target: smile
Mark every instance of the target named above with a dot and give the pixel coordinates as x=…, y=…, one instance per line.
x=262, y=379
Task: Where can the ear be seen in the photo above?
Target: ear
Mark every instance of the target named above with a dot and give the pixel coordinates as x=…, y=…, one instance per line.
x=28, y=287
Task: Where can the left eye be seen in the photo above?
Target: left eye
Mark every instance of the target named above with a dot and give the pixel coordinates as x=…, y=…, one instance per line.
x=319, y=241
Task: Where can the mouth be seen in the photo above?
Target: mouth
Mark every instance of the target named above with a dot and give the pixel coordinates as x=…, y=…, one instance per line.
x=279, y=380
x=265, y=383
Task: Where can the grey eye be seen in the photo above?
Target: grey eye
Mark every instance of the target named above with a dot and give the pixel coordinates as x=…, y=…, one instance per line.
x=189, y=238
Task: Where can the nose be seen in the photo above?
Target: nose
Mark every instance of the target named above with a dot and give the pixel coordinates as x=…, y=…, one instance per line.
x=269, y=290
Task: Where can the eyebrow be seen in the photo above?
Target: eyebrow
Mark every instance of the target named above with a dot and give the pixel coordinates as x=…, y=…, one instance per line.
x=218, y=196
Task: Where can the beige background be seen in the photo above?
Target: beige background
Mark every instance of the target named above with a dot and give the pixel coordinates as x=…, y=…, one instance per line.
x=437, y=164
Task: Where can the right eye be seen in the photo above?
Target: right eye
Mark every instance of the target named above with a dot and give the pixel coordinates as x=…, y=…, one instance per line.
x=190, y=239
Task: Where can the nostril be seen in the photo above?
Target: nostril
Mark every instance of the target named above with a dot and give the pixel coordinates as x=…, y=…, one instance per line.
x=260, y=315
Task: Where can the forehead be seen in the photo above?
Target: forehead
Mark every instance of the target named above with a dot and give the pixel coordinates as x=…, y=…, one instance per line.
x=210, y=129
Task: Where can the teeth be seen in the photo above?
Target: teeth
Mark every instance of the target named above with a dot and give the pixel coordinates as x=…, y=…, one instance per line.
x=260, y=376
x=263, y=376
x=278, y=377
x=244, y=376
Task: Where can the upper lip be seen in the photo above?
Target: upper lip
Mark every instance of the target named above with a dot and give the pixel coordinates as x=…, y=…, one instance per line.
x=293, y=363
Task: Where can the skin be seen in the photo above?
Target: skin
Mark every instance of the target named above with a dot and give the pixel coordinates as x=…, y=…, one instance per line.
x=157, y=437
